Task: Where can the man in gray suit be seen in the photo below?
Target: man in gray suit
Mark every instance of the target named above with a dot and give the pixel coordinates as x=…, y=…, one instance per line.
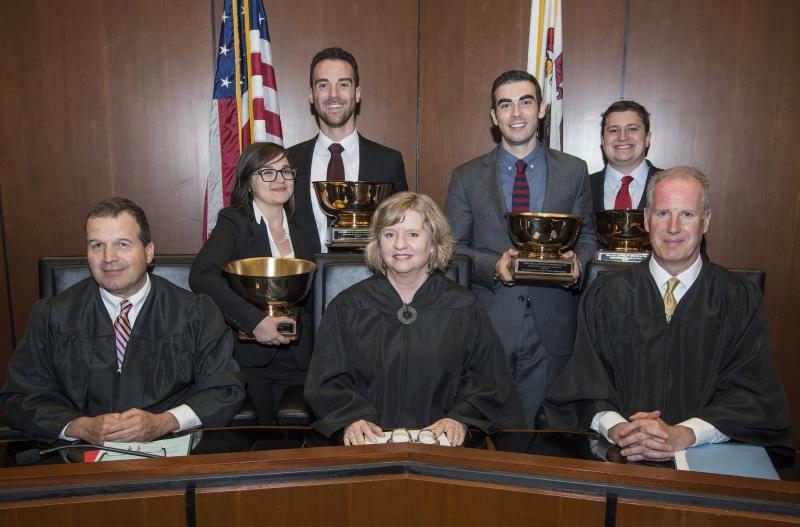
x=535, y=322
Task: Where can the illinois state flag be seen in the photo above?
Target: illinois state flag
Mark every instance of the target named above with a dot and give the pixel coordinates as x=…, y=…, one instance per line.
x=244, y=109
x=545, y=63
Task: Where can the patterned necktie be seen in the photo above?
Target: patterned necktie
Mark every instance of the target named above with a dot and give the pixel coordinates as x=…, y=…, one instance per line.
x=669, y=297
x=623, y=200
x=521, y=194
x=336, y=165
x=122, y=331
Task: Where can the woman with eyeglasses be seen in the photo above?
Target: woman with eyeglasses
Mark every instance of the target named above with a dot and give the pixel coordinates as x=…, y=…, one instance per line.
x=261, y=221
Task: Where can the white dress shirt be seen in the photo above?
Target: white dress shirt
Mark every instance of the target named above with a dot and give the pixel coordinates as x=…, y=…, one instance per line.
x=183, y=414
x=273, y=247
x=704, y=432
x=613, y=182
x=319, y=172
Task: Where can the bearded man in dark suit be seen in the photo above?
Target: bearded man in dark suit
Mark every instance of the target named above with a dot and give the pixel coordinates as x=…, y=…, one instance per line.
x=334, y=94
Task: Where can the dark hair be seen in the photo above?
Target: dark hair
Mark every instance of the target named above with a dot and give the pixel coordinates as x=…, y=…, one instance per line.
x=516, y=76
x=626, y=106
x=113, y=207
x=333, y=54
x=254, y=157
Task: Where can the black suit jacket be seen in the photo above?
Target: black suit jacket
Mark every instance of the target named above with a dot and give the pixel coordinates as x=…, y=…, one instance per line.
x=235, y=236
x=376, y=163
x=597, y=181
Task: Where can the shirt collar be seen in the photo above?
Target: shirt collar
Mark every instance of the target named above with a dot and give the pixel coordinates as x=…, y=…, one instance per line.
x=349, y=143
x=639, y=174
x=112, y=301
x=260, y=216
x=687, y=277
x=507, y=159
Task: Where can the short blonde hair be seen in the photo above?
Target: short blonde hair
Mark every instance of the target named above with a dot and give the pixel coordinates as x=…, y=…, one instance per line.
x=393, y=210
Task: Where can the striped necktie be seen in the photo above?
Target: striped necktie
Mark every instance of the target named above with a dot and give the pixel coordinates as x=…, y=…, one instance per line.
x=122, y=331
x=521, y=193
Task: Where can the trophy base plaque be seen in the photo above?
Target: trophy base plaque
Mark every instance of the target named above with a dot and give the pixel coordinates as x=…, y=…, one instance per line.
x=348, y=237
x=623, y=257
x=542, y=270
x=287, y=329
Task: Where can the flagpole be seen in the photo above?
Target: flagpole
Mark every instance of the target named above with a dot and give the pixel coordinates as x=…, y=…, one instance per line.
x=236, y=47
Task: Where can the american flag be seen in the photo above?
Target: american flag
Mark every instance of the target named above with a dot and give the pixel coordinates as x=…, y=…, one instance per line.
x=244, y=109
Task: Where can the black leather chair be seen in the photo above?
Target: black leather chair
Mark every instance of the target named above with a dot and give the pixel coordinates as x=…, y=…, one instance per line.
x=336, y=272
x=595, y=268
x=59, y=273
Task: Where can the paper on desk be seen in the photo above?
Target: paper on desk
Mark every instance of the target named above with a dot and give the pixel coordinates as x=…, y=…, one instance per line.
x=172, y=447
x=733, y=459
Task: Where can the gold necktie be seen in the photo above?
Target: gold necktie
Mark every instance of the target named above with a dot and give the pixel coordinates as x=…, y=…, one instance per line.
x=669, y=298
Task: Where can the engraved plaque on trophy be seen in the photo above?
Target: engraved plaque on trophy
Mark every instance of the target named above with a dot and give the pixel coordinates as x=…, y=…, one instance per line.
x=622, y=235
x=350, y=205
x=272, y=284
x=541, y=238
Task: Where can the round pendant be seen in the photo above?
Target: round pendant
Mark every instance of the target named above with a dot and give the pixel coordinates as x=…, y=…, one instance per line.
x=407, y=314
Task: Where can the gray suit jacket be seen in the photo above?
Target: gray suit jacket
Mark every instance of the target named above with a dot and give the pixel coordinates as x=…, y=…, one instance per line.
x=475, y=209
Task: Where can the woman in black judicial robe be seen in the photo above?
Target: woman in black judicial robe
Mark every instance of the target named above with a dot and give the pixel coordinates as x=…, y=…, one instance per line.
x=409, y=347
x=261, y=221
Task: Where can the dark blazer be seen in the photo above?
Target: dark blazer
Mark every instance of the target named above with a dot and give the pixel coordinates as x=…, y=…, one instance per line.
x=597, y=180
x=475, y=209
x=376, y=163
x=235, y=236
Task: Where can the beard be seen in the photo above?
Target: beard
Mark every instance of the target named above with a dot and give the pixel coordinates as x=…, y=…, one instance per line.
x=335, y=121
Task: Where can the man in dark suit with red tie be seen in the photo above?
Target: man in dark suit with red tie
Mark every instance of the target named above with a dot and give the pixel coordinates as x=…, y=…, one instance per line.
x=338, y=152
x=625, y=134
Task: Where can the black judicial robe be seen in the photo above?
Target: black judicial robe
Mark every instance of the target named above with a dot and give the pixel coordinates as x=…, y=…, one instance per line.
x=710, y=361
x=448, y=363
x=180, y=352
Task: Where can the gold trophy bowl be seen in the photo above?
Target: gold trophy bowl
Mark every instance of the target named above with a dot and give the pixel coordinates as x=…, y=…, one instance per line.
x=351, y=205
x=621, y=233
x=274, y=285
x=541, y=238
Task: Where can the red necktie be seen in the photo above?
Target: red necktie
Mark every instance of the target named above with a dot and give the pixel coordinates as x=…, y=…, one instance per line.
x=521, y=194
x=122, y=331
x=336, y=165
x=623, y=200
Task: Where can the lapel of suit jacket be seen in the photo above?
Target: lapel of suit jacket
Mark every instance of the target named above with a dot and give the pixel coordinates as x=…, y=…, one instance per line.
x=303, y=192
x=492, y=185
x=597, y=182
x=650, y=171
x=364, y=158
x=553, y=173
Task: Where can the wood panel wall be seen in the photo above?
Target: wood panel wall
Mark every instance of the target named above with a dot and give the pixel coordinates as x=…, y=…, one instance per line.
x=112, y=97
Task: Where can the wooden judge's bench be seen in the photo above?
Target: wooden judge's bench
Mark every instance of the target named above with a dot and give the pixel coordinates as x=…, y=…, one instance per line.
x=395, y=485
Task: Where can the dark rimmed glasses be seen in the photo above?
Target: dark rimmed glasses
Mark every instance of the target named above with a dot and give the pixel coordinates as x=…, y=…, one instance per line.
x=268, y=175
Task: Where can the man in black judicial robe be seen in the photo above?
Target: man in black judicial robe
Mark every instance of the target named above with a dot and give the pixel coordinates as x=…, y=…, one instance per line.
x=448, y=363
x=655, y=384
x=177, y=372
